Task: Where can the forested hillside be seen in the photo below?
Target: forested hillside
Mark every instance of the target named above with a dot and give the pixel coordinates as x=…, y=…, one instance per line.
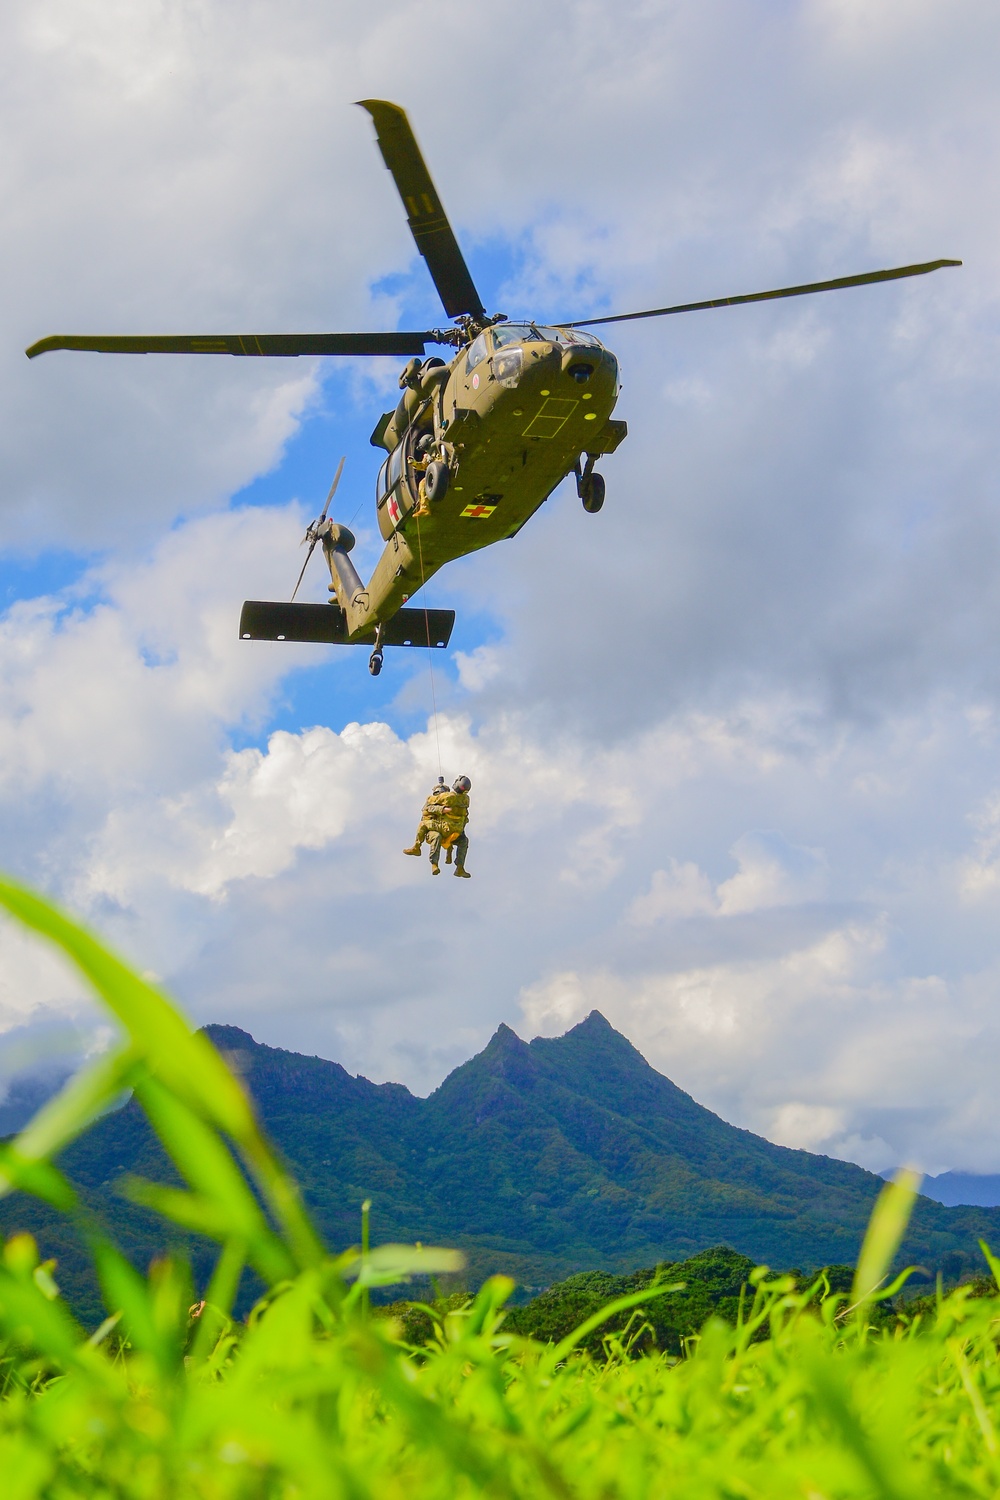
x=539, y=1159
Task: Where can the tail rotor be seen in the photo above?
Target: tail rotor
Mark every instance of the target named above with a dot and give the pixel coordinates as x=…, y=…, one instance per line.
x=315, y=528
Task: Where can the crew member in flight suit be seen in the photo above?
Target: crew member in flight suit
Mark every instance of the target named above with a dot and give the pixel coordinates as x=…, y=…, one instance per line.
x=448, y=831
x=419, y=463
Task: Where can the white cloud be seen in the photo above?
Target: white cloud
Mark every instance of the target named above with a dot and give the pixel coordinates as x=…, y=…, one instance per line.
x=479, y=667
x=682, y=890
x=807, y=1126
x=771, y=872
x=980, y=871
x=34, y=981
x=129, y=677
x=720, y=1015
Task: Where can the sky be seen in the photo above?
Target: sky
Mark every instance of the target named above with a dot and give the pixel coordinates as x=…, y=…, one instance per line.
x=733, y=742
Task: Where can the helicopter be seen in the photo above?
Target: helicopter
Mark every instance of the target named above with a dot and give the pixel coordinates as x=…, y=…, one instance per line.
x=477, y=442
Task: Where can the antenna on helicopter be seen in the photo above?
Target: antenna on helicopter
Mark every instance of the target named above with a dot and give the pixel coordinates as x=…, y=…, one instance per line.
x=313, y=531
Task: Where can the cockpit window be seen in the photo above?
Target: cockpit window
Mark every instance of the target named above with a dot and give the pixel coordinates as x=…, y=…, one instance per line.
x=524, y=333
x=578, y=336
x=476, y=354
x=511, y=333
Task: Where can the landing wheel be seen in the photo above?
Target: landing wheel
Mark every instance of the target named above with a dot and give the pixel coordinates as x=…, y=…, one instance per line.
x=436, y=480
x=592, y=492
x=375, y=663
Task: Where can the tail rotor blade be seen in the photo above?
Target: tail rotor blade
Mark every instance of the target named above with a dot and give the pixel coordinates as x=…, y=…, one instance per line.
x=312, y=535
x=305, y=565
x=333, y=487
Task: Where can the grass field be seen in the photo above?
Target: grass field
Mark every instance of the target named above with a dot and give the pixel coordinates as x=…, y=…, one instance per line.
x=804, y=1395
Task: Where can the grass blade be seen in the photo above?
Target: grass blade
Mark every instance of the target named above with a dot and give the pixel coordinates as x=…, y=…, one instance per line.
x=620, y=1304
x=184, y=1062
x=884, y=1234
x=62, y=1118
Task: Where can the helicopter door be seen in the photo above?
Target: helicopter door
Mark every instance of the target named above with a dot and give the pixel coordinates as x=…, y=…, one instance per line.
x=396, y=492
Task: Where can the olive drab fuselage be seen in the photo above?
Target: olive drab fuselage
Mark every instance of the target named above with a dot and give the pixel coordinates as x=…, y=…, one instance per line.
x=514, y=412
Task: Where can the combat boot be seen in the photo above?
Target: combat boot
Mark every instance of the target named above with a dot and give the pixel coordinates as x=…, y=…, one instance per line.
x=415, y=850
x=463, y=872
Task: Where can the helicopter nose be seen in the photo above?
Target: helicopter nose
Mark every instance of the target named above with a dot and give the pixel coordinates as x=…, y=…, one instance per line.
x=589, y=366
x=579, y=364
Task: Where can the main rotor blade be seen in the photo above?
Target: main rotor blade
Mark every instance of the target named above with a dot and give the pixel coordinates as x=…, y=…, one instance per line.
x=260, y=344
x=785, y=291
x=424, y=213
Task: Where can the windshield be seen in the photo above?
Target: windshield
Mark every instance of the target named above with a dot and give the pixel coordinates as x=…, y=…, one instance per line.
x=524, y=333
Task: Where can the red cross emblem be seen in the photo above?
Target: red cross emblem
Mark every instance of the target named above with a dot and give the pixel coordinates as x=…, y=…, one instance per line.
x=478, y=512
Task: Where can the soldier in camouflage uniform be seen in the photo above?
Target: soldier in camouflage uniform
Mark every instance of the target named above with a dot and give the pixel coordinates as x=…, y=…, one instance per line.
x=428, y=818
x=448, y=831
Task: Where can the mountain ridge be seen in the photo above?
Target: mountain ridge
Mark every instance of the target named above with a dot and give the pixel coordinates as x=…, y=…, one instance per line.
x=539, y=1159
x=571, y=1153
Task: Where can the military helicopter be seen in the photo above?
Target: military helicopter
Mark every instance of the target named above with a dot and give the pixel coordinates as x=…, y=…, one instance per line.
x=477, y=442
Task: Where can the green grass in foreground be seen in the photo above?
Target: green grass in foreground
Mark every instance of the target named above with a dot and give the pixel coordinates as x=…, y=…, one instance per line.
x=803, y=1396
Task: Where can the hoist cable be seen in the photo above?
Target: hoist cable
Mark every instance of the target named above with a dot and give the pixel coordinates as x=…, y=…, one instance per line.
x=430, y=653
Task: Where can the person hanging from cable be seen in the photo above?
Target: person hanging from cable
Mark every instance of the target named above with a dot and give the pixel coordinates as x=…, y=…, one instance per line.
x=445, y=814
x=452, y=818
x=429, y=817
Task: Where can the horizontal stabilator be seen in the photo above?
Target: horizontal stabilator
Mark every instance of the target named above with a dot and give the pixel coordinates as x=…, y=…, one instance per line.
x=263, y=621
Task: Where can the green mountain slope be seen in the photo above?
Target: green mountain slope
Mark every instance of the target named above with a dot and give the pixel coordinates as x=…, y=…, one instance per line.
x=540, y=1159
